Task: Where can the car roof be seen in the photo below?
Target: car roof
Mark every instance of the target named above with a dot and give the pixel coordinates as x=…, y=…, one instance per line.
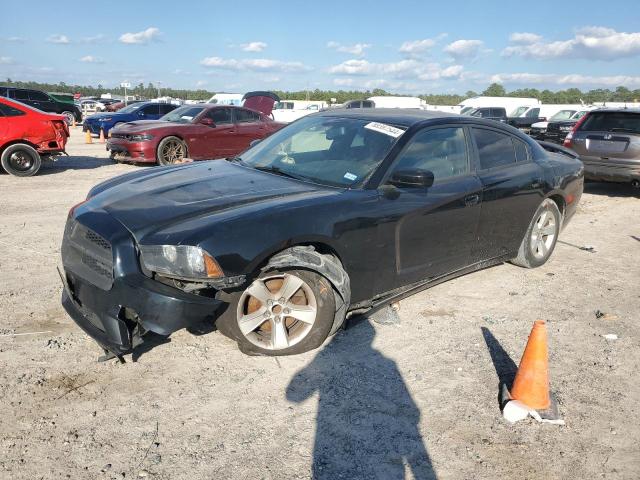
x=616, y=110
x=398, y=116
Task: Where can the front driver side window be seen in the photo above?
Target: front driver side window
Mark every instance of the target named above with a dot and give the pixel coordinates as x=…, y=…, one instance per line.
x=442, y=151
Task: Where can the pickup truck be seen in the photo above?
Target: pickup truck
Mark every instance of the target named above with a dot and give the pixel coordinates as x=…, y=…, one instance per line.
x=499, y=114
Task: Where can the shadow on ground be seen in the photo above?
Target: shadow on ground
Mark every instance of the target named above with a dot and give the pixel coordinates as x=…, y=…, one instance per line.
x=63, y=164
x=611, y=189
x=505, y=367
x=367, y=422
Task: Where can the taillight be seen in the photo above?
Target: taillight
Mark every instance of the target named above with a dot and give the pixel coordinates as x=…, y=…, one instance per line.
x=61, y=127
x=568, y=139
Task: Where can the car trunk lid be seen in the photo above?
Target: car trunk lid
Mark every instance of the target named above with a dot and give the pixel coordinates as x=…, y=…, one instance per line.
x=260, y=101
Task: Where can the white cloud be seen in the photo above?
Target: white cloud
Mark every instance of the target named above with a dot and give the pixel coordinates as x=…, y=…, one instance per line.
x=253, y=64
x=524, y=38
x=138, y=38
x=343, y=82
x=6, y=61
x=593, y=43
x=15, y=39
x=91, y=59
x=94, y=39
x=357, y=49
x=253, y=46
x=59, y=39
x=408, y=68
x=417, y=46
x=464, y=48
x=566, y=81
x=201, y=83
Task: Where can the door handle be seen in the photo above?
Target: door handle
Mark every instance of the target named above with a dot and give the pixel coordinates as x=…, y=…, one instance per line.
x=470, y=200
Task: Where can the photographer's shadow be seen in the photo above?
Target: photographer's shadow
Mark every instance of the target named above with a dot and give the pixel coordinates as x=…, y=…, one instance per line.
x=367, y=423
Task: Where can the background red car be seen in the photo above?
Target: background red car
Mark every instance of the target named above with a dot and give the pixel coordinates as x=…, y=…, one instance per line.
x=27, y=136
x=199, y=132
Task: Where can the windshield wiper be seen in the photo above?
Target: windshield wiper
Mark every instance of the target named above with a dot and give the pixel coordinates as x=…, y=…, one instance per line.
x=236, y=160
x=279, y=171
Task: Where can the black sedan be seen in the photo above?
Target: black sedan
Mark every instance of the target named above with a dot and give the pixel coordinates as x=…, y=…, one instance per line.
x=340, y=212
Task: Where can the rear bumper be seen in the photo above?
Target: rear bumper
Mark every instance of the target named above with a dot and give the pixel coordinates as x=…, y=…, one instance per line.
x=125, y=151
x=129, y=304
x=611, y=171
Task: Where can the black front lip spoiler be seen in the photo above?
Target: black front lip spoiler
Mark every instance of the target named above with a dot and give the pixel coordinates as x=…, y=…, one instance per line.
x=159, y=308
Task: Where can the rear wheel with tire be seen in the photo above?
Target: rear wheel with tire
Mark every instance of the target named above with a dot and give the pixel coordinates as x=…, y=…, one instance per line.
x=541, y=236
x=171, y=150
x=21, y=160
x=280, y=313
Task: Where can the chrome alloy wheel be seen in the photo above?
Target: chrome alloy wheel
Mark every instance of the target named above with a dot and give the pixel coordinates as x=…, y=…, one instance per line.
x=276, y=312
x=543, y=234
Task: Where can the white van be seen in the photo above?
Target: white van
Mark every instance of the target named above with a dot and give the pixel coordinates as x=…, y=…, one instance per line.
x=510, y=104
x=287, y=111
x=227, y=99
x=397, y=102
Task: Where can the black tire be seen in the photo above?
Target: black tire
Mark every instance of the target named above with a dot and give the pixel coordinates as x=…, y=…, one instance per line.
x=21, y=160
x=227, y=322
x=536, y=246
x=164, y=157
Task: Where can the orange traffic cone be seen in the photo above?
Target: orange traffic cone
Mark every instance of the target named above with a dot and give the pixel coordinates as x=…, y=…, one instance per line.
x=531, y=385
x=101, y=135
x=87, y=137
x=73, y=123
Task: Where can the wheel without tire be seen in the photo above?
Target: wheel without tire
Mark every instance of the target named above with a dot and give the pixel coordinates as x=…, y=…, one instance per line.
x=68, y=117
x=171, y=150
x=280, y=313
x=21, y=160
x=541, y=236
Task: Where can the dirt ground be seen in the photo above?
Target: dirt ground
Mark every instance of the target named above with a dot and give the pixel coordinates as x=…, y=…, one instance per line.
x=412, y=400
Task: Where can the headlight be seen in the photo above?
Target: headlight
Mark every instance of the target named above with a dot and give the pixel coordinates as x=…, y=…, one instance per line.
x=140, y=138
x=184, y=262
x=108, y=119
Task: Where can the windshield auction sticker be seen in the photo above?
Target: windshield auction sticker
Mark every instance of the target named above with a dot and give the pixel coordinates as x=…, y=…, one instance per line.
x=384, y=128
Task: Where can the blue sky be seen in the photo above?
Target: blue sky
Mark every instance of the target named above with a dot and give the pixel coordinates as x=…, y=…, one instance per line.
x=402, y=46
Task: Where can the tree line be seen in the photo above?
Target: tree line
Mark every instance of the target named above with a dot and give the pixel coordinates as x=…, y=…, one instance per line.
x=569, y=95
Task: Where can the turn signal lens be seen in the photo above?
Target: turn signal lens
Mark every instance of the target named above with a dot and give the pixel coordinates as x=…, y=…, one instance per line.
x=211, y=267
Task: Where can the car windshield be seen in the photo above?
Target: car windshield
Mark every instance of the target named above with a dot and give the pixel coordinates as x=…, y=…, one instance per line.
x=563, y=115
x=130, y=108
x=340, y=152
x=579, y=115
x=183, y=114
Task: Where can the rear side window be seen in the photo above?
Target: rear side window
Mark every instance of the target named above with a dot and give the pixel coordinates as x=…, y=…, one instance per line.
x=220, y=116
x=498, y=112
x=494, y=149
x=522, y=152
x=4, y=92
x=166, y=108
x=246, y=116
x=21, y=94
x=38, y=96
x=612, y=122
x=9, y=111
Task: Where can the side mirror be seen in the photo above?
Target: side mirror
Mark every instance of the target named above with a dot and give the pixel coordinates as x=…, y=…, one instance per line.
x=254, y=142
x=412, y=178
x=208, y=122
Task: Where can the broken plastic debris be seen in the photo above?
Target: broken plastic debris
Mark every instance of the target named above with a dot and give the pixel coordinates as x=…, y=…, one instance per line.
x=610, y=336
x=514, y=411
x=588, y=248
x=605, y=315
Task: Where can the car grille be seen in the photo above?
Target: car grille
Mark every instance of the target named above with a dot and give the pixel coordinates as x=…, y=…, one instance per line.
x=87, y=254
x=553, y=128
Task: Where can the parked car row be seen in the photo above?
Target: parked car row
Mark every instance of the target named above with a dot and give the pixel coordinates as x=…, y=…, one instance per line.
x=44, y=102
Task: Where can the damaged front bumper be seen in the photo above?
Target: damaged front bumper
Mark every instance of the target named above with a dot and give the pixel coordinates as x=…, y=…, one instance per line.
x=109, y=297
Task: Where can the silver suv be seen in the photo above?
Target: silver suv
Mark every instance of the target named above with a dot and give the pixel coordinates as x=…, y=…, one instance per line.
x=608, y=143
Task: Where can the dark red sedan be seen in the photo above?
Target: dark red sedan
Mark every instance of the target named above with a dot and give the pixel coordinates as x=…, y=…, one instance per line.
x=198, y=132
x=27, y=136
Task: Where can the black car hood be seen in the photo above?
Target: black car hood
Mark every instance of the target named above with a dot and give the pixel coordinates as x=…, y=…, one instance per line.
x=146, y=204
